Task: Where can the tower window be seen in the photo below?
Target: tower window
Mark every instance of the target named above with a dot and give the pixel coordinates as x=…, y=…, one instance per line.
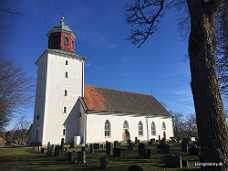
x=163, y=126
x=66, y=62
x=153, y=129
x=66, y=74
x=66, y=41
x=65, y=93
x=64, y=131
x=65, y=109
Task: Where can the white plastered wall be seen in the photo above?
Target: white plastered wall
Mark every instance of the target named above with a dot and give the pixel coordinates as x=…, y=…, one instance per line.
x=96, y=122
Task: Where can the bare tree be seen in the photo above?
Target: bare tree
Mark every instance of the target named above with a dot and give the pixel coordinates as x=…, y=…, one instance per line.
x=14, y=90
x=144, y=16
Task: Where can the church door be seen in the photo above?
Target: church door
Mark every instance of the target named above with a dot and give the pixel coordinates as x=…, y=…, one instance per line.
x=126, y=135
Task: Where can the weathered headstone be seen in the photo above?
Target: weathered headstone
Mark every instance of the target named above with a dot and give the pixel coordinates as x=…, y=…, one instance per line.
x=48, y=148
x=42, y=150
x=116, y=144
x=184, y=144
x=163, y=148
x=52, y=150
x=91, y=148
x=129, y=145
x=142, y=150
x=103, y=162
x=193, y=149
x=72, y=156
x=116, y=152
x=62, y=147
x=57, y=150
x=109, y=148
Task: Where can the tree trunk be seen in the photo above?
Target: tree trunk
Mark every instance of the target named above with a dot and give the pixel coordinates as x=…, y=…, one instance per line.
x=212, y=130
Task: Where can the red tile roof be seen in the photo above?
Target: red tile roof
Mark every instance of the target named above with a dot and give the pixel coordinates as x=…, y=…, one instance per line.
x=107, y=100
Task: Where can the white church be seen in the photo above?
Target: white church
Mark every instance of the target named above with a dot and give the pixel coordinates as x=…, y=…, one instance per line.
x=65, y=107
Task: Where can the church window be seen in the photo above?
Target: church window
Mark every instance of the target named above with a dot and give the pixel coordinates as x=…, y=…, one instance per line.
x=65, y=109
x=64, y=131
x=66, y=74
x=153, y=129
x=140, y=128
x=66, y=41
x=66, y=62
x=163, y=126
x=65, y=93
x=107, y=129
x=125, y=125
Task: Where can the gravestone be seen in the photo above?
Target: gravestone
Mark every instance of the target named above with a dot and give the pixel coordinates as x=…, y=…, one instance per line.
x=134, y=168
x=42, y=150
x=109, y=148
x=57, y=150
x=103, y=162
x=116, y=152
x=129, y=145
x=81, y=156
x=184, y=144
x=62, y=147
x=193, y=149
x=163, y=148
x=72, y=156
x=96, y=146
x=142, y=150
x=52, y=151
x=91, y=148
x=116, y=144
x=48, y=148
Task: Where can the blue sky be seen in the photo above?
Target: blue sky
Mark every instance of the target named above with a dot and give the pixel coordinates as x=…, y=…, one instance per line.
x=160, y=67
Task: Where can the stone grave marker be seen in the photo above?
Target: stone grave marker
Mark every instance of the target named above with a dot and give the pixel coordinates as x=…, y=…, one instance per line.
x=184, y=144
x=103, y=162
x=109, y=148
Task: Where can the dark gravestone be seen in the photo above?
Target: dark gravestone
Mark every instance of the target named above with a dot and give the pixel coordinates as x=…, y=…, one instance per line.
x=184, y=144
x=91, y=148
x=135, y=168
x=193, y=149
x=48, y=148
x=152, y=141
x=103, y=162
x=163, y=148
x=116, y=152
x=109, y=148
x=72, y=156
x=142, y=150
x=57, y=150
x=42, y=150
x=116, y=144
x=173, y=161
x=96, y=146
x=129, y=145
x=136, y=140
x=62, y=147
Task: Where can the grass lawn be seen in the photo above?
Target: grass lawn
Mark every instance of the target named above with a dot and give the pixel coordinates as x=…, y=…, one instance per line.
x=24, y=159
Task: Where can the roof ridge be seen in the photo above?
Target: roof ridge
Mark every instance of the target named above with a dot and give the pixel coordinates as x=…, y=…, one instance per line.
x=120, y=90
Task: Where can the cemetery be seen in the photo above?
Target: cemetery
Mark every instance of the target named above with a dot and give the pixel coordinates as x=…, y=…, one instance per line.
x=112, y=156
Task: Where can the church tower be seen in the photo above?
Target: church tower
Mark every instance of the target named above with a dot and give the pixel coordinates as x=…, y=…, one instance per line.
x=60, y=82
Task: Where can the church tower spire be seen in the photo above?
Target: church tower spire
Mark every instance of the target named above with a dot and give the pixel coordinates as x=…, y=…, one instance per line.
x=61, y=37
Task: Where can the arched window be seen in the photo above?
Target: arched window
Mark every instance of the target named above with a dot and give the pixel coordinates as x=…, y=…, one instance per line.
x=140, y=128
x=66, y=41
x=107, y=129
x=163, y=126
x=65, y=93
x=66, y=62
x=153, y=129
x=125, y=125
